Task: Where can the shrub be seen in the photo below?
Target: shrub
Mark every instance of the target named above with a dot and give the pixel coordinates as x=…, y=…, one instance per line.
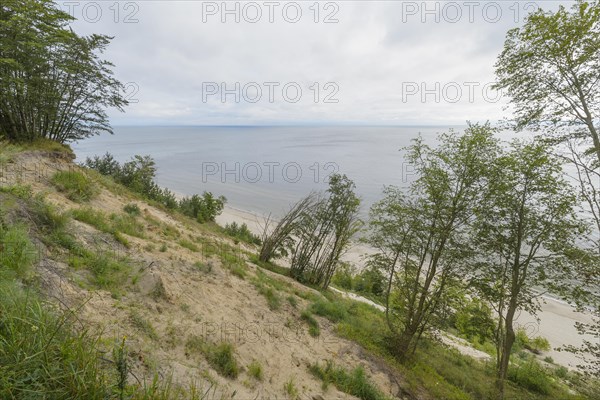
x=242, y=232
x=531, y=375
x=203, y=208
x=333, y=311
x=475, y=320
x=343, y=276
x=355, y=383
x=76, y=185
x=137, y=174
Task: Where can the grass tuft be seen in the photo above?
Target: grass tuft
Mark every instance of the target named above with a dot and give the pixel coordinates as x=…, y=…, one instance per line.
x=75, y=185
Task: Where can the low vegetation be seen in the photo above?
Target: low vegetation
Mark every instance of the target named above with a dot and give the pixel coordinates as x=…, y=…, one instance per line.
x=355, y=382
x=241, y=233
x=76, y=185
x=220, y=356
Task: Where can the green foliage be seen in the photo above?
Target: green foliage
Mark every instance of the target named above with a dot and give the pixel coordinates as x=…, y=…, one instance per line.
x=369, y=282
x=313, y=324
x=40, y=357
x=332, y=310
x=220, y=356
x=17, y=252
x=344, y=276
x=536, y=345
x=355, y=383
x=132, y=209
x=323, y=232
x=475, y=321
x=421, y=242
x=531, y=375
x=114, y=224
x=45, y=216
x=255, y=370
x=292, y=300
x=7, y=152
x=189, y=245
x=203, y=208
x=290, y=389
x=53, y=84
x=137, y=174
x=241, y=232
x=76, y=185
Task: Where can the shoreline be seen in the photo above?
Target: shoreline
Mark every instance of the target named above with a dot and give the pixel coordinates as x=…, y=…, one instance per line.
x=556, y=318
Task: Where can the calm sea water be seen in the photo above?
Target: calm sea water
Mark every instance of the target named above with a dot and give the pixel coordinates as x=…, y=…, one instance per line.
x=265, y=169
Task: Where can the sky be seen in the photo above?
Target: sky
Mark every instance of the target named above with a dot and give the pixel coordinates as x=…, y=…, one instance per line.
x=305, y=62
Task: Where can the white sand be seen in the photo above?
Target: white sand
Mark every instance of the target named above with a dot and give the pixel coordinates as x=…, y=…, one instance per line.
x=557, y=319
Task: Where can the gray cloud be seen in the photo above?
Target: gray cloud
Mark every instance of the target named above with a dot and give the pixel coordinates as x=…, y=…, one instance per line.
x=374, y=53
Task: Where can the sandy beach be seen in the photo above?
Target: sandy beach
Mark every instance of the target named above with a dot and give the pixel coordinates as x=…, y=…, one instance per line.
x=556, y=318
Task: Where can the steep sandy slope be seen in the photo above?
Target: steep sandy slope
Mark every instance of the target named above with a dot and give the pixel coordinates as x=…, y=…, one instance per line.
x=179, y=287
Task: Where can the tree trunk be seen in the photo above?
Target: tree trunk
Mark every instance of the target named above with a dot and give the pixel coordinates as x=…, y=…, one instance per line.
x=505, y=349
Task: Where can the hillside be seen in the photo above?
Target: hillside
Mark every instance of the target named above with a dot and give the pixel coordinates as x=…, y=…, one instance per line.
x=188, y=308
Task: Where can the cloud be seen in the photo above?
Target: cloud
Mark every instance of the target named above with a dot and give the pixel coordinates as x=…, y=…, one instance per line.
x=357, y=70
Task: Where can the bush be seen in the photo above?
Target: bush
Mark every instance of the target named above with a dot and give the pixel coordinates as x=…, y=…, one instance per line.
x=241, y=232
x=355, y=383
x=531, y=375
x=137, y=174
x=76, y=185
x=343, y=276
x=536, y=345
x=203, y=208
x=333, y=311
x=475, y=320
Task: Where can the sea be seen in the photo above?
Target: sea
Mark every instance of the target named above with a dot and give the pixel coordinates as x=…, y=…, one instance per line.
x=265, y=169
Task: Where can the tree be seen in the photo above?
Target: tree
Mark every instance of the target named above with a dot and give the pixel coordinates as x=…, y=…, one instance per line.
x=324, y=232
x=525, y=228
x=53, y=83
x=277, y=241
x=550, y=69
x=422, y=239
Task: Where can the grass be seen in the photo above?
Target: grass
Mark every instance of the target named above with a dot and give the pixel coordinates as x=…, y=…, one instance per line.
x=18, y=252
x=290, y=388
x=143, y=325
x=76, y=185
x=132, y=209
x=255, y=370
x=8, y=151
x=109, y=271
x=189, y=245
x=355, y=383
x=292, y=300
x=220, y=356
x=313, y=324
x=114, y=224
x=40, y=356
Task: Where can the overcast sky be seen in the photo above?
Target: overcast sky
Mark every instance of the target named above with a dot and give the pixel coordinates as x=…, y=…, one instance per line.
x=340, y=62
